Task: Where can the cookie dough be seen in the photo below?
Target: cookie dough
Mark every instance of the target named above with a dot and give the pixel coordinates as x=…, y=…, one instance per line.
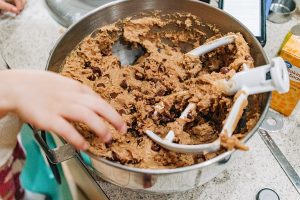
x=152, y=92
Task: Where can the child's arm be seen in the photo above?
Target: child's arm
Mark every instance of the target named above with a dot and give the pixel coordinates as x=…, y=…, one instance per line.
x=49, y=101
x=14, y=6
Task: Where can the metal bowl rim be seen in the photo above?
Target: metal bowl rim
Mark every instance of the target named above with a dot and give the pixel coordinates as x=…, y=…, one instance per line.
x=282, y=13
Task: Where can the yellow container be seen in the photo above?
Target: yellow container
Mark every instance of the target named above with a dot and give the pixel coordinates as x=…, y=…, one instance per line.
x=290, y=52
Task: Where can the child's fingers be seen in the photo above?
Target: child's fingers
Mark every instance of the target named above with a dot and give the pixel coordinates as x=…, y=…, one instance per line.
x=105, y=110
x=20, y=4
x=64, y=129
x=8, y=7
x=91, y=119
x=93, y=101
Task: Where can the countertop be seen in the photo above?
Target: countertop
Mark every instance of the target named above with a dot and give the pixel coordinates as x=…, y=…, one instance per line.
x=25, y=42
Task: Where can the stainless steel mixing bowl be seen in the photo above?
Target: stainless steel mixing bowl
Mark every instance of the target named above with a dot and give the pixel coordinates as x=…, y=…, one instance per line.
x=159, y=180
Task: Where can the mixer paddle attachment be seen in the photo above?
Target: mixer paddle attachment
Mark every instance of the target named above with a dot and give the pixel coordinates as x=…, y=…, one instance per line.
x=261, y=79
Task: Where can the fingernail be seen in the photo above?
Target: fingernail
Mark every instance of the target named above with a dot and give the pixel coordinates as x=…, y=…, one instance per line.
x=86, y=146
x=123, y=129
x=107, y=138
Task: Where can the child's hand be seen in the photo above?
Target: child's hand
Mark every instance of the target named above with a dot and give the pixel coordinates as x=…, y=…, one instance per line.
x=49, y=101
x=14, y=6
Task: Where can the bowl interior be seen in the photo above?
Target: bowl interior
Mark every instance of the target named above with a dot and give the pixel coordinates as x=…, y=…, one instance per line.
x=114, y=11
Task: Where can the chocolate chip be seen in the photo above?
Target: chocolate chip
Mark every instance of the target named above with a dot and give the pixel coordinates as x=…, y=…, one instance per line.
x=199, y=158
x=151, y=101
x=181, y=79
x=175, y=112
x=154, y=80
x=160, y=92
x=108, y=144
x=123, y=84
x=162, y=123
x=138, y=98
x=119, y=63
x=121, y=111
x=164, y=60
x=188, y=76
x=158, y=50
x=168, y=92
x=92, y=77
x=173, y=109
x=139, y=140
x=105, y=51
x=161, y=68
x=155, y=147
x=135, y=133
x=164, y=120
x=101, y=85
x=113, y=95
x=133, y=110
x=87, y=64
x=139, y=76
x=189, y=116
x=80, y=54
x=115, y=157
x=134, y=161
x=134, y=123
x=224, y=70
x=97, y=71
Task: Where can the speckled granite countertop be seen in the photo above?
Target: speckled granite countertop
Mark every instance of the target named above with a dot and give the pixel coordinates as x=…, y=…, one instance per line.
x=26, y=41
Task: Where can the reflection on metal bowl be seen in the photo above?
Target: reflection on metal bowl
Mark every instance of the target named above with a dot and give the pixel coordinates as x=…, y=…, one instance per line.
x=67, y=12
x=158, y=180
x=281, y=10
